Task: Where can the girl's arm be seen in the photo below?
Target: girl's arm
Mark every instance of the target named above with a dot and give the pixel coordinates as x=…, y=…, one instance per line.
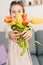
x=13, y=35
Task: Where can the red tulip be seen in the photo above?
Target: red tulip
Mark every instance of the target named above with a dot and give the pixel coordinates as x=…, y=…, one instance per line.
x=24, y=16
x=9, y=19
x=25, y=23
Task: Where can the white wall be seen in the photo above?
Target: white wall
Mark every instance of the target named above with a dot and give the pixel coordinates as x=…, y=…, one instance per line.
x=27, y=2
x=4, y=10
x=35, y=11
x=32, y=11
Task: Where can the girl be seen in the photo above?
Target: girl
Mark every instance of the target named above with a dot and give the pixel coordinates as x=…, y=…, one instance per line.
x=14, y=50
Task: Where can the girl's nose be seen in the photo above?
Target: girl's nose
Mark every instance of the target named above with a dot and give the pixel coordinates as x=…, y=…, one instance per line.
x=16, y=13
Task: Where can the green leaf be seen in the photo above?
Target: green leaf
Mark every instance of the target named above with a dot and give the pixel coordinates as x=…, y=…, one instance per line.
x=34, y=43
x=27, y=28
x=20, y=25
x=23, y=51
x=22, y=43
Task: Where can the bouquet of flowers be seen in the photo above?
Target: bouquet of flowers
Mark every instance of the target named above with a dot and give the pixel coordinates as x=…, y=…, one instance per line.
x=20, y=23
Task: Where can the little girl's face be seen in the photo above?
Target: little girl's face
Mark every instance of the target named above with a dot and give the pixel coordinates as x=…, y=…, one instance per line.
x=16, y=9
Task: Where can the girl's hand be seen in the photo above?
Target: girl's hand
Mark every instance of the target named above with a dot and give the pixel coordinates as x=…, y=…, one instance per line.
x=14, y=35
x=27, y=34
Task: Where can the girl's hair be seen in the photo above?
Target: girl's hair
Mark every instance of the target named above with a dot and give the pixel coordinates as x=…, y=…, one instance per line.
x=14, y=3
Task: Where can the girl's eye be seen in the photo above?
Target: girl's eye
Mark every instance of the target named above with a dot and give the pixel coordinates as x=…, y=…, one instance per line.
x=13, y=12
x=19, y=11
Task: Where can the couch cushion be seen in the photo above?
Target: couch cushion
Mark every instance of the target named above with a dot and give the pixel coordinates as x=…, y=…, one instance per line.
x=4, y=64
x=33, y=47
x=35, y=60
x=39, y=37
x=3, y=39
x=40, y=58
x=3, y=54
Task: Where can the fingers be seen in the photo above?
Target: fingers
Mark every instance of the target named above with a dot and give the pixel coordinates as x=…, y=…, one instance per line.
x=13, y=35
x=10, y=34
x=24, y=32
x=16, y=32
x=27, y=34
x=28, y=37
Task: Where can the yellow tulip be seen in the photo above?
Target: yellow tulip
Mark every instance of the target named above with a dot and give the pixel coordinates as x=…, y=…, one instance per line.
x=19, y=19
x=36, y=20
x=13, y=22
x=10, y=20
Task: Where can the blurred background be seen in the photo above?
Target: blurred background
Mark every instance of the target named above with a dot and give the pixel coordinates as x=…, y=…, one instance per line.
x=33, y=9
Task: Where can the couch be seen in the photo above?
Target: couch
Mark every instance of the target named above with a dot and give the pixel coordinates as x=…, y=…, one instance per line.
x=36, y=50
